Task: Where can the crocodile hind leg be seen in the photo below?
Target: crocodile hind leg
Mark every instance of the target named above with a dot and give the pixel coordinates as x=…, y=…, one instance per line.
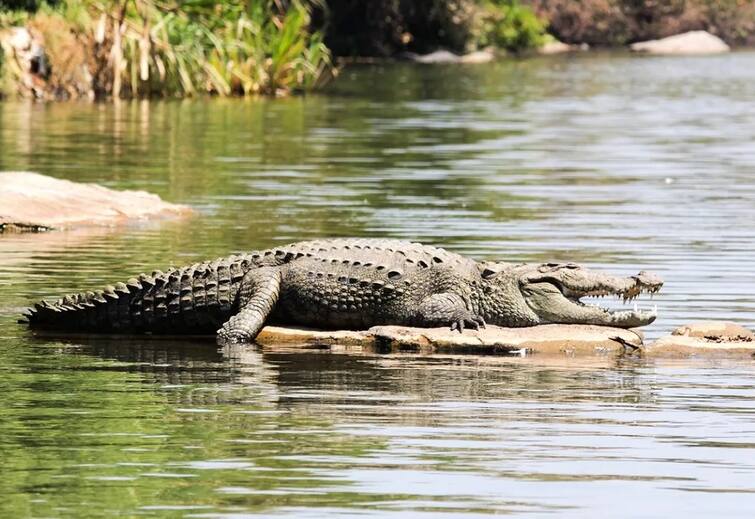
x=257, y=296
x=447, y=308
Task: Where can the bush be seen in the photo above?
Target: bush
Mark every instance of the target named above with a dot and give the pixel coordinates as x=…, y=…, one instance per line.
x=509, y=25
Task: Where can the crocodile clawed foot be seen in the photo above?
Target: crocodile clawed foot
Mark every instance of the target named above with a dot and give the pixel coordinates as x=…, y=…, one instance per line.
x=480, y=322
x=475, y=322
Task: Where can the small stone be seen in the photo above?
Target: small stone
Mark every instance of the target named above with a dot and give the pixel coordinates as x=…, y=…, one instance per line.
x=714, y=329
x=706, y=339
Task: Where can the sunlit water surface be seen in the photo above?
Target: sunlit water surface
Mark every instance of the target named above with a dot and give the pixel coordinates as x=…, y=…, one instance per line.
x=615, y=162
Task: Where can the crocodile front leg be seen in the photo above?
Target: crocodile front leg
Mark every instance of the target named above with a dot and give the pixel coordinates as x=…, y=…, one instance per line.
x=258, y=294
x=444, y=308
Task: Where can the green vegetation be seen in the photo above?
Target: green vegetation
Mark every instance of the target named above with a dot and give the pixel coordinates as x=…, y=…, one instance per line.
x=509, y=25
x=135, y=48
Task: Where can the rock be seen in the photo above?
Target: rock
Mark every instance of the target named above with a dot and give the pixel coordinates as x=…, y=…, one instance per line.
x=705, y=339
x=25, y=59
x=547, y=339
x=720, y=330
x=30, y=201
x=693, y=42
x=558, y=47
x=480, y=56
x=444, y=56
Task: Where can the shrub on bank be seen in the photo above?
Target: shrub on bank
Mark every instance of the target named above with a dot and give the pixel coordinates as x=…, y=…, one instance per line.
x=507, y=24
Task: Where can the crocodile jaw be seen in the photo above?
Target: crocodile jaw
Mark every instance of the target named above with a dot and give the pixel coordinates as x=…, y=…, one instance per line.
x=554, y=294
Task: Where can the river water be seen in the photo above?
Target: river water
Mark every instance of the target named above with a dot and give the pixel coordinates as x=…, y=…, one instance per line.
x=616, y=162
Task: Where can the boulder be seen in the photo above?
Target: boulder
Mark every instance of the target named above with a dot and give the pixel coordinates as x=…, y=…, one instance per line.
x=705, y=339
x=693, y=42
x=565, y=340
x=30, y=201
x=444, y=56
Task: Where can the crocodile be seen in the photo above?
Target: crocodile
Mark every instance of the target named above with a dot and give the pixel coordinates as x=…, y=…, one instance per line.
x=346, y=284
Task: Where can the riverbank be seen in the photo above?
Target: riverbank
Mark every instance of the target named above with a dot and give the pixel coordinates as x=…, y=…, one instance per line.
x=137, y=49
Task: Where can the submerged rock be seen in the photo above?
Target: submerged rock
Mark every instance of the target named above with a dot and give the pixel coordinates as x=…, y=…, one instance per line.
x=546, y=339
x=705, y=339
x=30, y=201
x=693, y=42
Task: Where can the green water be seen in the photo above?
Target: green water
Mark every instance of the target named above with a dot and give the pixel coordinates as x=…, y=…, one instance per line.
x=613, y=161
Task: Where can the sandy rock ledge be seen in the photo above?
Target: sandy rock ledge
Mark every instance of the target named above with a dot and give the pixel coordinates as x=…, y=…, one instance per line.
x=565, y=340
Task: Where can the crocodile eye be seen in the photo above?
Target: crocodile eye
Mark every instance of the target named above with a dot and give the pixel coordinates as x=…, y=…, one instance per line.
x=488, y=273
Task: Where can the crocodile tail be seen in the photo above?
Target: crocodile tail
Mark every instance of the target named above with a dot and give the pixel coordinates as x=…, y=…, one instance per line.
x=193, y=299
x=104, y=310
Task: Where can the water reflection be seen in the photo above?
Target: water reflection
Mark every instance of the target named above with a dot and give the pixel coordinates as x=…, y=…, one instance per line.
x=280, y=430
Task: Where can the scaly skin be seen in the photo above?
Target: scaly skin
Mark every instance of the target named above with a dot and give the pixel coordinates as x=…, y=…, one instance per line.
x=345, y=283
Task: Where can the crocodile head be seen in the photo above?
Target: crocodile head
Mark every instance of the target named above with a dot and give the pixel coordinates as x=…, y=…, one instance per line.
x=553, y=292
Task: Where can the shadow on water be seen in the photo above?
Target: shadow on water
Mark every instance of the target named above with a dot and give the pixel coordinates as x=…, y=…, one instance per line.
x=434, y=376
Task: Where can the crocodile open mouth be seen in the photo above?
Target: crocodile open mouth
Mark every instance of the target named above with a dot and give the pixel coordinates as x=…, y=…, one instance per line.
x=592, y=297
x=571, y=295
